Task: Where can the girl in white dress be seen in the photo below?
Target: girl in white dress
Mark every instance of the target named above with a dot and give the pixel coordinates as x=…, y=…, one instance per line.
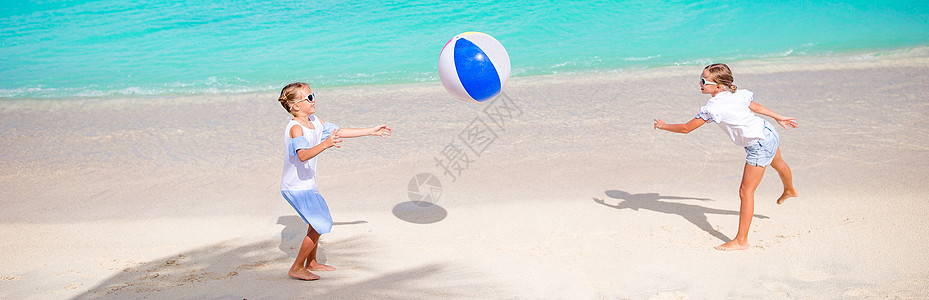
x=734, y=110
x=306, y=136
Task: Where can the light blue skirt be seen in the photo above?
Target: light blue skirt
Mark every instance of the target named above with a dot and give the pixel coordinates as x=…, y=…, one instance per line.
x=312, y=208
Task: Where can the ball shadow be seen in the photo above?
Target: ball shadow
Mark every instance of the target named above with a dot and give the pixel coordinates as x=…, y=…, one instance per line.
x=419, y=212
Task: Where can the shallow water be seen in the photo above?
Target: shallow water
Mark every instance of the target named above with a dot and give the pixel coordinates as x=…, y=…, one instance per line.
x=66, y=49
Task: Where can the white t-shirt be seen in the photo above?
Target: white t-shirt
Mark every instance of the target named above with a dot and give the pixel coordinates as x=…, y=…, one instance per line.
x=731, y=112
x=301, y=175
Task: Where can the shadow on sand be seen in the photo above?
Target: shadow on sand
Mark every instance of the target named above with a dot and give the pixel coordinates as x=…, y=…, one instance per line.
x=259, y=270
x=419, y=212
x=695, y=214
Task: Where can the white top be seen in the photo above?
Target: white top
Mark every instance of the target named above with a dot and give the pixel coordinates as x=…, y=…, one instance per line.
x=301, y=175
x=731, y=112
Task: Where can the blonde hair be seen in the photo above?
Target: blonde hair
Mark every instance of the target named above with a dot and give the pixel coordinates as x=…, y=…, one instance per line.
x=722, y=75
x=289, y=94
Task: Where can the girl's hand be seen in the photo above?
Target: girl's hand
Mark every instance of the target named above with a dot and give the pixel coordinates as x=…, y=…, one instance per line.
x=333, y=140
x=381, y=131
x=788, y=122
x=659, y=124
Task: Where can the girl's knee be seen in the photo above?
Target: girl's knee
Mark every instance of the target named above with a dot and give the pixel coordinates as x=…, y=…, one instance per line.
x=780, y=166
x=747, y=191
x=311, y=232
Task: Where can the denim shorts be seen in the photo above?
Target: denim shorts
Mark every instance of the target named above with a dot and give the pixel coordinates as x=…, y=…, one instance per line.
x=761, y=152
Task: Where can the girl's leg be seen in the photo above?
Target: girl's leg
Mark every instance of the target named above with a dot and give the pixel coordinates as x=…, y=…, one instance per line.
x=751, y=177
x=786, y=177
x=297, y=271
x=310, y=263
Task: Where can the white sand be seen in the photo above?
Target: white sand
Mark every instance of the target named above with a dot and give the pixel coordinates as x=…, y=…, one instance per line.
x=577, y=197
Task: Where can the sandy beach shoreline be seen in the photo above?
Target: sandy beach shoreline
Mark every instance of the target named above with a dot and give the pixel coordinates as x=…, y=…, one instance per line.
x=576, y=197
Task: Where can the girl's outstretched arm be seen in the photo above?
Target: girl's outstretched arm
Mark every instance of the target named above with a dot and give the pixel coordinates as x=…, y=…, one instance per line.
x=680, y=128
x=786, y=122
x=380, y=130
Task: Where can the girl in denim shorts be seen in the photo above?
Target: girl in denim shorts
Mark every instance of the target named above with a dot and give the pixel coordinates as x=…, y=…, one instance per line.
x=734, y=111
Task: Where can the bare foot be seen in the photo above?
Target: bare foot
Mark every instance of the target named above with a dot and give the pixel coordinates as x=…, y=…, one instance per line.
x=732, y=245
x=787, y=194
x=319, y=267
x=302, y=274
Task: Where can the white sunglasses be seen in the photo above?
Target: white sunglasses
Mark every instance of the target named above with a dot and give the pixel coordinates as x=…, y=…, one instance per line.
x=705, y=82
x=311, y=98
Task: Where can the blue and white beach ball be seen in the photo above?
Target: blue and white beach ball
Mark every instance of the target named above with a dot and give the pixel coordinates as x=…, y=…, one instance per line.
x=474, y=67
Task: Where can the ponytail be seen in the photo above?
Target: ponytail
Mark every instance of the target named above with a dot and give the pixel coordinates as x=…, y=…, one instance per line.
x=283, y=101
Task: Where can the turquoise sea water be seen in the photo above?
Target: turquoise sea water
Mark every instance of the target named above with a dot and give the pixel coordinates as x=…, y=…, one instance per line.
x=65, y=49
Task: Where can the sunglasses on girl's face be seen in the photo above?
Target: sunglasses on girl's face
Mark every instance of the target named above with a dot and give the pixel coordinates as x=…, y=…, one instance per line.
x=703, y=81
x=310, y=98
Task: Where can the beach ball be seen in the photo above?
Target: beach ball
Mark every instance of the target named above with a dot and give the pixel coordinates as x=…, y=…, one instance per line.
x=474, y=67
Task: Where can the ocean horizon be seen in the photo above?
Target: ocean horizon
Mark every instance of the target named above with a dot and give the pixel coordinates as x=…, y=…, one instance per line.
x=77, y=49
